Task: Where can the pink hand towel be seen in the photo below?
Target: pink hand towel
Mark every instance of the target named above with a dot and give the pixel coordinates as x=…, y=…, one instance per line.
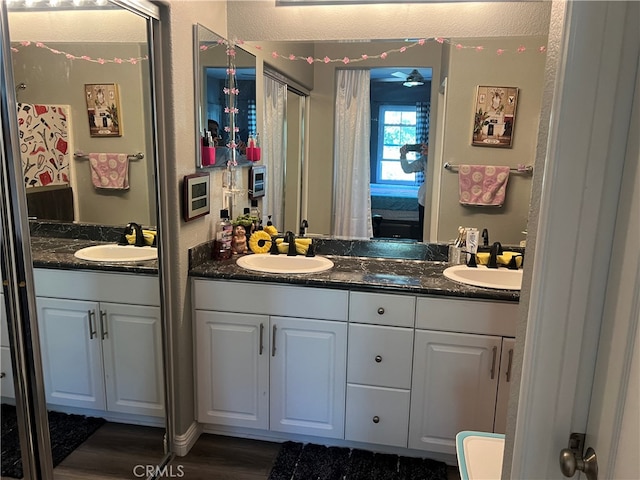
x=110, y=170
x=482, y=185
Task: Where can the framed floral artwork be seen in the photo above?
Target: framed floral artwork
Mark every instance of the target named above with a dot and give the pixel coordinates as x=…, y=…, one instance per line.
x=103, y=108
x=494, y=116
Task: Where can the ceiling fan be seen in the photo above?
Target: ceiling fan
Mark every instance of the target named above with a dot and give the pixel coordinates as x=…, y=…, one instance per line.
x=413, y=79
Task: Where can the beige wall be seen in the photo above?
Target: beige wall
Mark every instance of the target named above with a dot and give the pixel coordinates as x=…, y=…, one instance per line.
x=467, y=70
x=178, y=19
x=53, y=80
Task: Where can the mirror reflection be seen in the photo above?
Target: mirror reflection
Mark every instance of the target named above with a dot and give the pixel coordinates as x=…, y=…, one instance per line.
x=451, y=79
x=225, y=100
x=76, y=112
x=84, y=97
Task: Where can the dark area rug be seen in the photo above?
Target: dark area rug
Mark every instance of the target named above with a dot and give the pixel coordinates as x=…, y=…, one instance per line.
x=67, y=433
x=296, y=461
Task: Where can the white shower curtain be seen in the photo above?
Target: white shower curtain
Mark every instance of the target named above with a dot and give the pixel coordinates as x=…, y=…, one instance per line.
x=352, y=197
x=273, y=145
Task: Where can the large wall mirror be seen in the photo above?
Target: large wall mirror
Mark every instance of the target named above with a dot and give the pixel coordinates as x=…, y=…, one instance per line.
x=83, y=81
x=225, y=86
x=451, y=70
x=116, y=120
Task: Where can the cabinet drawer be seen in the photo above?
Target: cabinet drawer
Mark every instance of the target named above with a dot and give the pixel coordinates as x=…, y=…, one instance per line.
x=6, y=382
x=269, y=299
x=382, y=309
x=467, y=316
x=380, y=355
x=99, y=287
x=377, y=415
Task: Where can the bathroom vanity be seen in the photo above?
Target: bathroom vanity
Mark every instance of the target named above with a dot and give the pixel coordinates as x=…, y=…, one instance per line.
x=100, y=334
x=384, y=353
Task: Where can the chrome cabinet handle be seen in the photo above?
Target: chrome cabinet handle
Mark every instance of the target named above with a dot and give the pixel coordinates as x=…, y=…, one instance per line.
x=378, y=358
x=103, y=325
x=376, y=419
x=509, y=365
x=92, y=332
x=493, y=363
x=380, y=311
x=261, y=338
x=273, y=342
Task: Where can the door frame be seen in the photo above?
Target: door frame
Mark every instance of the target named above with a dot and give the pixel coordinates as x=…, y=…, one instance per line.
x=564, y=289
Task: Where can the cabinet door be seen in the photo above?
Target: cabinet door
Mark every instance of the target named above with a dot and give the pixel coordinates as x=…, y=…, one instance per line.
x=132, y=349
x=6, y=372
x=232, y=369
x=71, y=352
x=308, y=376
x=455, y=379
x=504, y=385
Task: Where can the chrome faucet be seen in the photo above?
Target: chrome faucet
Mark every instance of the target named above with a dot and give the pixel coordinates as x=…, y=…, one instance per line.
x=496, y=249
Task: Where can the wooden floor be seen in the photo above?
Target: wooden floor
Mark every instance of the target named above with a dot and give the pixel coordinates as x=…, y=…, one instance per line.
x=118, y=451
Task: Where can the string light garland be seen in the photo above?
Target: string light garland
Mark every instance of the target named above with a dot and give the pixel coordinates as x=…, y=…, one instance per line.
x=102, y=61
x=231, y=52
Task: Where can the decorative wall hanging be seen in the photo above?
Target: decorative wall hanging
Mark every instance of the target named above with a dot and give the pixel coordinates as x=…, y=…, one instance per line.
x=494, y=116
x=44, y=146
x=103, y=108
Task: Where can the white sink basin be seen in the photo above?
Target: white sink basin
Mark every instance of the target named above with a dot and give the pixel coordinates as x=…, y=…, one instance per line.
x=117, y=253
x=264, y=262
x=501, y=278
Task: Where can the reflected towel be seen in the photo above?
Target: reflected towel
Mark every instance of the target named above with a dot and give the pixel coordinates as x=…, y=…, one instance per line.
x=482, y=185
x=110, y=170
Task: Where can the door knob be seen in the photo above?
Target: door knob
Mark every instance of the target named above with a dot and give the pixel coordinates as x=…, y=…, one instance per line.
x=571, y=459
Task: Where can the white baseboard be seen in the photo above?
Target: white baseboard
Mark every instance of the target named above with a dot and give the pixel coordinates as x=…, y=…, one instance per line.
x=183, y=443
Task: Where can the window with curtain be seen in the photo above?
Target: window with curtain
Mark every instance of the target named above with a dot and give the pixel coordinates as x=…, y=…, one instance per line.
x=397, y=126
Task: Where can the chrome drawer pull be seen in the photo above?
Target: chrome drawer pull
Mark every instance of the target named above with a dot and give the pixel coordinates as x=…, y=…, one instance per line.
x=378, y=358
x=103, y=325
x=92, y=332
x=261, y=337
x=380, y=311
x=273, y=342
x=509, y=366
x=376, y=419
x=493, y=363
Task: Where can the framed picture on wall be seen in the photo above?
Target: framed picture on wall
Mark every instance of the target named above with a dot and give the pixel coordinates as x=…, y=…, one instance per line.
x=103, y=109
x=494, y=116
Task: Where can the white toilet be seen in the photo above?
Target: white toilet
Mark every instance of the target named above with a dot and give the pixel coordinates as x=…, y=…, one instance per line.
x=479, y=455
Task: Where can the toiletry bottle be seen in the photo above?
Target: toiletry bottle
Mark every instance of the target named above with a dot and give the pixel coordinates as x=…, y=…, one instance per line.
x=255, y=212
x=224, y=235
x=472, y=242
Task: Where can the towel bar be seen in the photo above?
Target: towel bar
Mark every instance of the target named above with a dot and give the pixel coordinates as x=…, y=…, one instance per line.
x=519, y=169
x=133, y=156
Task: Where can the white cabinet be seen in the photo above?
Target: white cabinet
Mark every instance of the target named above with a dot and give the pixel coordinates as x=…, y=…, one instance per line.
x=232, y=368
x=308, y=376
x=379, y=368
x=460, y=357
x=6, y=372
x=258, y=367
x=386, y=369
x=455, y=379
x=98, y=353
x=71, y=354
x=504, y=385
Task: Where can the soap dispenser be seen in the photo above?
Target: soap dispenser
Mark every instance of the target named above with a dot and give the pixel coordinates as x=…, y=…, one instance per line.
x=223, y=237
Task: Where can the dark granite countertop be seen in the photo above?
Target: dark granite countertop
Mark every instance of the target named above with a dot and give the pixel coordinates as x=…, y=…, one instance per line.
x=407, y=276
x=53, y=246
